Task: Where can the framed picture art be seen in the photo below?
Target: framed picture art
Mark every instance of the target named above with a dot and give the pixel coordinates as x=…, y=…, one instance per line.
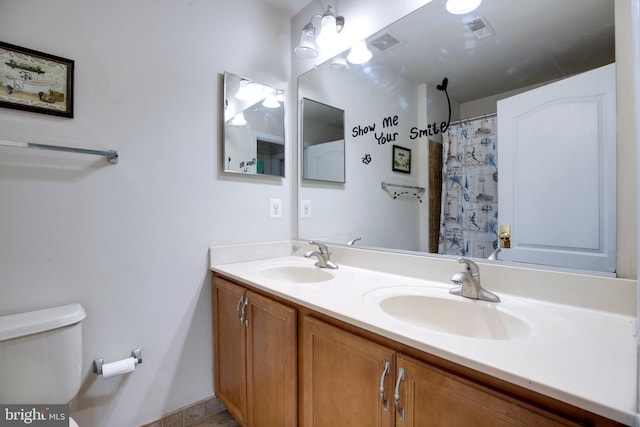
x=401, y=159
x=35, y=81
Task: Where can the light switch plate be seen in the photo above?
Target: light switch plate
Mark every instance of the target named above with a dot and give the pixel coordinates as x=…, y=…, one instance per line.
x=305, y=208
x=275, y=208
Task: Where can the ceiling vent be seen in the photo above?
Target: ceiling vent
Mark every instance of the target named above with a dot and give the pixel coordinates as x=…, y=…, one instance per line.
x=480, y=27
x=385, y=41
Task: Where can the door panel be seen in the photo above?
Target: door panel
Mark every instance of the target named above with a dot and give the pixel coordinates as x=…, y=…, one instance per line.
x=432, y=397
x=229, y=343
x=325, y=162
x=341, y=379
x=271, y=369
x=557, y=182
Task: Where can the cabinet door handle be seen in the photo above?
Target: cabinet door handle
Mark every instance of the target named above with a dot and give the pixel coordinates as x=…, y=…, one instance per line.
x=399, y=410
x=243, y=316
x=240, y=301
x=385, y=402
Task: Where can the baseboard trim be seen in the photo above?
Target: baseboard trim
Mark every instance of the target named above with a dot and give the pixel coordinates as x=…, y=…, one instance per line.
x=190, y=414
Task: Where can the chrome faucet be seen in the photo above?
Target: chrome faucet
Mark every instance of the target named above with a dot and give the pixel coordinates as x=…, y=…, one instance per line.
x=322, y=254
x=494, y=254
x=469, y=283
x=353, y=241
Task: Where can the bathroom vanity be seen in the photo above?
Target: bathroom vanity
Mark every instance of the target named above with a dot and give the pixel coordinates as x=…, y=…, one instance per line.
x=298, y=345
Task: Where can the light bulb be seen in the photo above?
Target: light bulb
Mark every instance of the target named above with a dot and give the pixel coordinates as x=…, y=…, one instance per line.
x=359, y=53
x=339, y=63
x=238, y=120
x=271, y=101
x=307, y=47
x=243, y=91
x=328, y=31
x=460, y=7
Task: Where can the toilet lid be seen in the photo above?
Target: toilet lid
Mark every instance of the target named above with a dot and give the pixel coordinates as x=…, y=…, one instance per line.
x=72, y=422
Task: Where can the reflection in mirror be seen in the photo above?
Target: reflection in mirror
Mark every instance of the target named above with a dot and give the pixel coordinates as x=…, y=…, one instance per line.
x=253, y=127
x=322, y=142
x=501, y=50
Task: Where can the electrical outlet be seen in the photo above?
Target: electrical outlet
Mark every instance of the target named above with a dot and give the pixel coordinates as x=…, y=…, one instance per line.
x=275, y=208
x=305, y=208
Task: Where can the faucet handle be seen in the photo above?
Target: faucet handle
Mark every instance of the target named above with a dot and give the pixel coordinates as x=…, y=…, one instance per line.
x=321, y=246
x=472, y=267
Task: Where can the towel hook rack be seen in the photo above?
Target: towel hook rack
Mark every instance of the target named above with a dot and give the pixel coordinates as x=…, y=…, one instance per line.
x=418, y=191
x=111, y=155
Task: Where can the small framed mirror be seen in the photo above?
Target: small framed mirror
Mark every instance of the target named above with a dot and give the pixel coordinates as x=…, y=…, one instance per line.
x=322, y=142
x=254, y=138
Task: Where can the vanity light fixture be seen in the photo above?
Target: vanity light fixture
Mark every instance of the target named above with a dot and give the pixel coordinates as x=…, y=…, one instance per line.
x=330, y=27
x=460, y=7
x=359, y=53
x=339, y=62
x=238, y=120
x=271, y=100
x=307, y=47
x=249, y=90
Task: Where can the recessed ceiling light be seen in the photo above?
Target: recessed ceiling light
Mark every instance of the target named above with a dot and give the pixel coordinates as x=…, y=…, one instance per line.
x=460, y=7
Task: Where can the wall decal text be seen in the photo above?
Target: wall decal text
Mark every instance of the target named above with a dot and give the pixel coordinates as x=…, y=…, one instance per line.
x=434, y=129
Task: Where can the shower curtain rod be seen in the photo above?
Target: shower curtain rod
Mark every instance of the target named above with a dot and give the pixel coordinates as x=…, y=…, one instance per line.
x=484, y=116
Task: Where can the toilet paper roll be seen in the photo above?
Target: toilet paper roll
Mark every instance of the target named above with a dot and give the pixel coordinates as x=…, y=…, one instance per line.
x=119, y=367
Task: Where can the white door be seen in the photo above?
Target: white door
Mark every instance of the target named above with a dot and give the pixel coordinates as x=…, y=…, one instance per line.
x=557, y=179
x=325, y=162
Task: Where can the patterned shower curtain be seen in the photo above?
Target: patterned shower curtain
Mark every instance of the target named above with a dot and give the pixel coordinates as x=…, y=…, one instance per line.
x=469, y=208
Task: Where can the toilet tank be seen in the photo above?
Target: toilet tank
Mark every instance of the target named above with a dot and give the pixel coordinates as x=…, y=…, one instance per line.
x=41, y=355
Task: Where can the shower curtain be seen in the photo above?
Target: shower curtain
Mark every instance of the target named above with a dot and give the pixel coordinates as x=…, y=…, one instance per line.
x=469, y=203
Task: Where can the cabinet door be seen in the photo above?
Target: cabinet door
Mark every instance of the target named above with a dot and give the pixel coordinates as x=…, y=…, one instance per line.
x=433, y=397
x=342, y=375
x=229, y=347
x=271, y=363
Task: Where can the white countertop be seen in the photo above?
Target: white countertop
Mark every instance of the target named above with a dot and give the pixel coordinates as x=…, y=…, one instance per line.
x=578, y=355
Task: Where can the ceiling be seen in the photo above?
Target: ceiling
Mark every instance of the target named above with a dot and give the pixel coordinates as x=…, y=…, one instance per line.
x=288, y=7
x=533, y=42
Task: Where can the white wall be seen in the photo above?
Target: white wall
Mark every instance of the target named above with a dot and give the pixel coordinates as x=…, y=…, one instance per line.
x=360, y=206
x=129, y=241
x=362, y=19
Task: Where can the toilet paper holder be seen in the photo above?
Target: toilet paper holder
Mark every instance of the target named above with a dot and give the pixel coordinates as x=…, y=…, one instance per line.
x=97, y=363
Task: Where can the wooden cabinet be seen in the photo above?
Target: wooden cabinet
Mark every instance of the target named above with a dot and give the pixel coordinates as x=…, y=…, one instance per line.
x=255, y=355
x=429, y=396
x=345, y=382
x=331, y=373
x=346, y=379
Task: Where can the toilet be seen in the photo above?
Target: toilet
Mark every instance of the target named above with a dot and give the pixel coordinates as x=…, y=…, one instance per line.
x=41, y=356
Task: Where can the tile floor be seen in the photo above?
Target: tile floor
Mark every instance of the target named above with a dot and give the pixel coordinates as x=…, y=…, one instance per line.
x=221, y=419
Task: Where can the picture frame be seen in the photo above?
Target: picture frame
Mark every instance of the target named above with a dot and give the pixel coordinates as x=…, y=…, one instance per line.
x=35, y=81
x=401, y=160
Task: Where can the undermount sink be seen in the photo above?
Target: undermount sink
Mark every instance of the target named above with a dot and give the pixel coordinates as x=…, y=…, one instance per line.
x=436, y=310
x=295, y=274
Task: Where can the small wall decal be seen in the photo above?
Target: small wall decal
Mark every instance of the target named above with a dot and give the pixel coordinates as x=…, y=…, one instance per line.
x=361, y=131
x=366, y=159
x=382, y=137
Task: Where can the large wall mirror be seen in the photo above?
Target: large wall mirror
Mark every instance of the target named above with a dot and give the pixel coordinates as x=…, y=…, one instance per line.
x=433, y=73
x=254, y=141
